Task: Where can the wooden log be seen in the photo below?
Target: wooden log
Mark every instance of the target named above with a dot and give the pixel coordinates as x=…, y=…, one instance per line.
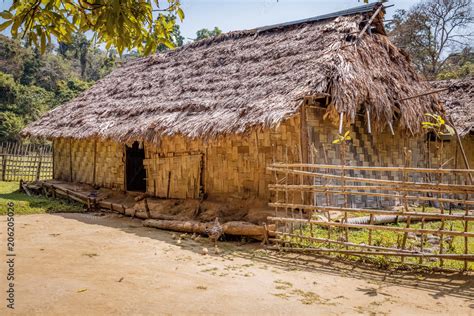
x=230, y=228
x=179, y=226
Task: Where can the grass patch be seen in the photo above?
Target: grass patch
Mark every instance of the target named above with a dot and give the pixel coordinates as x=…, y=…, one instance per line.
x=431, y=244
x=25, y=204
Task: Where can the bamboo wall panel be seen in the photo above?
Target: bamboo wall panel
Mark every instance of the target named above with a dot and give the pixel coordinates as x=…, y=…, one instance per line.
x=234, y=166
x=74, y=161
x=61, y=159
x=175, y=176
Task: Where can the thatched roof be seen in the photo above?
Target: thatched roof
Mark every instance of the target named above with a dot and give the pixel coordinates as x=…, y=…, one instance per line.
x=245, y=79
x=459, y=102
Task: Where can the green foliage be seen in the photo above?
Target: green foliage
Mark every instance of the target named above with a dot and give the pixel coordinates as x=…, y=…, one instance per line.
x=67, y=90
x=205, y=33
x=124, y=24
x=10, y=126
x=463, y=71
x=24, y=204
x=430, y=29
x=32, y=83
x=342, y=138
x=175, y=37
x=13, y=57
x=438, y=125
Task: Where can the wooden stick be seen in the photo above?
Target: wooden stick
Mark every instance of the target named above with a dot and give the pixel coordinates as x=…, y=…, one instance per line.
x=408, y=197
x=370, y=168
x=391, y=128
x=375, y=227
x=337, y=242
x=330, y=188
x=465, y=188
x=341, y=122
x=461, y=257
x=466, y=161
x=460, y=216
x=423, y=94
x=369, y=126
x=452, y=187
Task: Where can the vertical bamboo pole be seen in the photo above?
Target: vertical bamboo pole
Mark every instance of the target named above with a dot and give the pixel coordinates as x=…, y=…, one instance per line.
x=286, y=193
x=94, y=162
x=70, y=160
x=466, y=226
x=277, y=193
x=407, y=158
x=346, y=202
x=301, y=182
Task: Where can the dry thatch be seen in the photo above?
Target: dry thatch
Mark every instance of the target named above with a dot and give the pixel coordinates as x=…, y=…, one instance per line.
x=240, y=80
x=459, y=102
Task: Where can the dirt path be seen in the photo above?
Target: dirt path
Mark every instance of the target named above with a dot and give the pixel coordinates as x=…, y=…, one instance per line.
x=80, y=264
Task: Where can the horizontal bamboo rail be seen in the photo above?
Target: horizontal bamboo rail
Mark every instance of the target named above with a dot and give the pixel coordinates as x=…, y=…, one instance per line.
x=341, y=192
x=337, y=242
x=374, y=211
x=373, y=227
x=465, y=188
x=328, y=187
x=370, y=168
x=460, y=257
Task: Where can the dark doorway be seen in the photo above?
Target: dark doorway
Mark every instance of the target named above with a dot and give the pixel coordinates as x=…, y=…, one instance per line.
x=135, y=170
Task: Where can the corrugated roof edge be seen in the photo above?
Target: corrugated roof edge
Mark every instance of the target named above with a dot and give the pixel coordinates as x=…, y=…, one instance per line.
x=360, y=9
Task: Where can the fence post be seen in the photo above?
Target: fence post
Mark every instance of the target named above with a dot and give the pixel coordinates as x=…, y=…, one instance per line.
x=4, y=166
x=38, y=171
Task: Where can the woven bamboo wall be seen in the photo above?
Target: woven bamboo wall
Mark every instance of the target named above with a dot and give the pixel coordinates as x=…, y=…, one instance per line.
x=233, y=166
x=173, y=176
x=74, y=161
x=381, y=149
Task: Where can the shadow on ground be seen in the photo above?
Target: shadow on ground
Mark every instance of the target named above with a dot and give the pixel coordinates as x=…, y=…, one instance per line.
x=438, y=284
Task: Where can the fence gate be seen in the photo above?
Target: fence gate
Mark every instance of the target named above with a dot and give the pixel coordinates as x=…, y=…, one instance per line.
x=25, y=162
x=402, y=215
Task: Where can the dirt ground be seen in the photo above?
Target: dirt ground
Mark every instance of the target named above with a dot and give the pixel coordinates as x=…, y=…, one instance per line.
x=84, y=264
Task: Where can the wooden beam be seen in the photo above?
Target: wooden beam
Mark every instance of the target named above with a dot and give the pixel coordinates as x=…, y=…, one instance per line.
x=422, y=94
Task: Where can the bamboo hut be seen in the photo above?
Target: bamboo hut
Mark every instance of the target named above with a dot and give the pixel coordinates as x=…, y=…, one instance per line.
x=204, y=120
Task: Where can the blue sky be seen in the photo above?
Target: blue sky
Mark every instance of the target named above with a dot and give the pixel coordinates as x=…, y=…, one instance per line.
x=231, y=15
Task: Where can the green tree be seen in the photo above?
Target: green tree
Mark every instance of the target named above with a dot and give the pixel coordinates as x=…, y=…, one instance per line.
x=124, y=24
x=205, y=33
x=13, y=57
x=176, y=38
x=10, y=126
x=430, y=30
x=78, y=49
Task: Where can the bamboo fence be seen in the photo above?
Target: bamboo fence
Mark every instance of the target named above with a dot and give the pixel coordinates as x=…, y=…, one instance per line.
x=26, y=162
x=432, y=212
